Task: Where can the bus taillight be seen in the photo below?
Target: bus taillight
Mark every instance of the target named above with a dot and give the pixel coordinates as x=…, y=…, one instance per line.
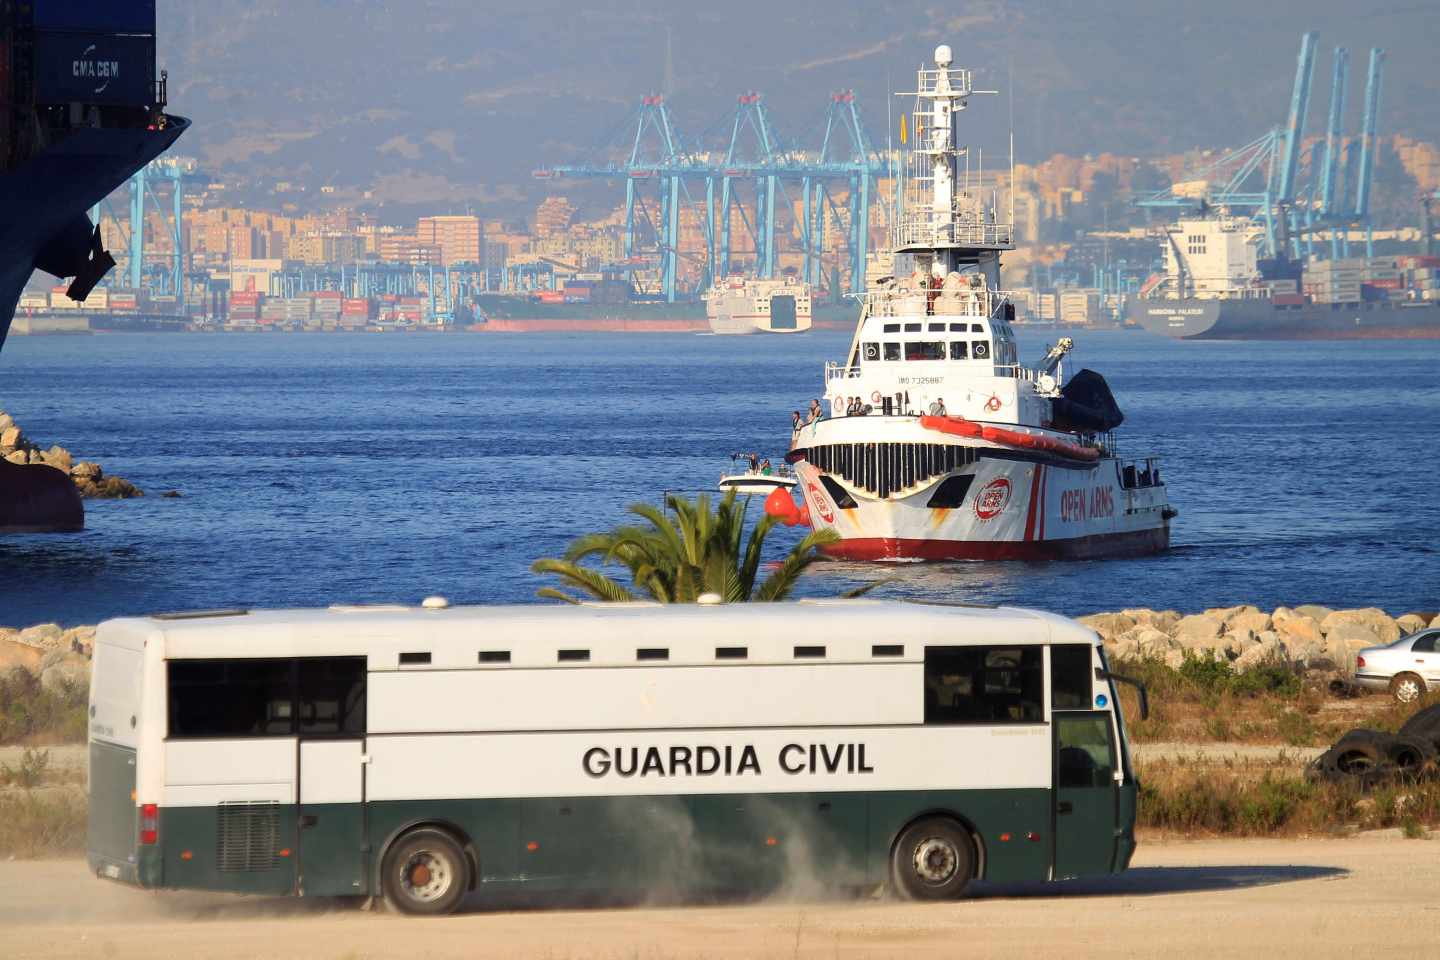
x=149, y=824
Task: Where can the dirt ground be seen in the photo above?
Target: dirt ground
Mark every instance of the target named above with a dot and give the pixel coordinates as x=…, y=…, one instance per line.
x=1368, y=896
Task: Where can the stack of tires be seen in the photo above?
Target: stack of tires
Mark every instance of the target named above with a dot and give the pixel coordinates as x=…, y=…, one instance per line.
x=1369, y=757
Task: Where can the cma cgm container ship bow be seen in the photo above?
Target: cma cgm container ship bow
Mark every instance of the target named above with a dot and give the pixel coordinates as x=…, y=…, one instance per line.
x=934, y=442
x=83, y=109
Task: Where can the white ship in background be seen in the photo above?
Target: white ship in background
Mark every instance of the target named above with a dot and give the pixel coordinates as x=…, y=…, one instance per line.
x=936, y=443
x=744, y=305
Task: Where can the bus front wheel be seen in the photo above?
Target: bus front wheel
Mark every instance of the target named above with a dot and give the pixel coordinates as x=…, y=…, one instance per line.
x=425, y=873
x=934, y=859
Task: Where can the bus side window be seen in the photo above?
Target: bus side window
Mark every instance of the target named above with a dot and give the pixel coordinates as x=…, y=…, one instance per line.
x=231, y=698
x=332, y=696
x=1071, y=676
x=983, y=685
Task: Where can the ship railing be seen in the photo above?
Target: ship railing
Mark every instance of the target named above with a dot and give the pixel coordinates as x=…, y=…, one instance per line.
x=901, y=301
x=1138, y=473
x=922, y=228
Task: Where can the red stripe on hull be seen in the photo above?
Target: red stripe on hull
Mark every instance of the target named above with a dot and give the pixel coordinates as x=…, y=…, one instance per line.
x=1135, y=544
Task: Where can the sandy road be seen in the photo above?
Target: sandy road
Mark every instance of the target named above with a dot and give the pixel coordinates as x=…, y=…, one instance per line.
x=1373, y=896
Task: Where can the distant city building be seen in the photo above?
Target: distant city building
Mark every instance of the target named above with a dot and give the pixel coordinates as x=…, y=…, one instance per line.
x=460, y=238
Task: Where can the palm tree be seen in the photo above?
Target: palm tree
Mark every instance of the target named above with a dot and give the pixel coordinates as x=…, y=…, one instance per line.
x=677, y=560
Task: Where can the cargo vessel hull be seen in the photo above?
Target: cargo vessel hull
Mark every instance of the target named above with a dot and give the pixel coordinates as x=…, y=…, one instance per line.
x=1261, y=319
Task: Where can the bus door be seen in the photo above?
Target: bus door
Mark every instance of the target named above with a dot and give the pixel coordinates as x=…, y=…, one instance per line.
x=332, y=818
x=1086, y=793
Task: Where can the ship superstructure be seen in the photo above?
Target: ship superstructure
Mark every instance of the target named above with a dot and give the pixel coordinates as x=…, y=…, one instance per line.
x=1216, y=286
x=933, y=441
x=738, y=305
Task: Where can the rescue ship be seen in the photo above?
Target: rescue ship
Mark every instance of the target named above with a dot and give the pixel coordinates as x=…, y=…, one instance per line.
x=933, y=441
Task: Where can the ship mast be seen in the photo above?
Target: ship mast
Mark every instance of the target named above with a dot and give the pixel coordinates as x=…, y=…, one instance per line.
x=949, y=229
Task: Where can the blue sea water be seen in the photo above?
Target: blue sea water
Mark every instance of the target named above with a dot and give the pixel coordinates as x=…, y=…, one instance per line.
x=367, y=468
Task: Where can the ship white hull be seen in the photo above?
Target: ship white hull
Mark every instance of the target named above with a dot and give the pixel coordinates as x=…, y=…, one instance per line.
x=1012, y=510
x=758, y=306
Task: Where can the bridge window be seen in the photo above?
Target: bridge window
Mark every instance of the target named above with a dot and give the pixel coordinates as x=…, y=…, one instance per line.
x=892, y=328
x=892, y=351
x=983, y=685
x=959, y=350
x=925, y=350
x=912, y=327
x=937, y=328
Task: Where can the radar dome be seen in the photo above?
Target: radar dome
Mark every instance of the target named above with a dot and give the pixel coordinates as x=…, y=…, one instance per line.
x=942, y=55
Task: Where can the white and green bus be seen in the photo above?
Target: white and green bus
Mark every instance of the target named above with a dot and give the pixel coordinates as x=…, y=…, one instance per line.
x=418, y=754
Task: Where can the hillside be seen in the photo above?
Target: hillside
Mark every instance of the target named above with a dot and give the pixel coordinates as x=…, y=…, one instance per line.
x=453, y=103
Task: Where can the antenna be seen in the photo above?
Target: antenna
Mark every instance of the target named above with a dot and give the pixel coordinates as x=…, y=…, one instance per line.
x=1010, y=96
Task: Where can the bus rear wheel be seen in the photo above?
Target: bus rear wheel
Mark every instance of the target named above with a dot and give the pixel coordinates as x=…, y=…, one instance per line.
x=425, y=873
x=934, y=859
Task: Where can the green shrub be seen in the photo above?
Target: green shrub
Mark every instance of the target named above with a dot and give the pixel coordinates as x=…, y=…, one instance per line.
x=42, y=823
x=29, y=710
x=33, y=764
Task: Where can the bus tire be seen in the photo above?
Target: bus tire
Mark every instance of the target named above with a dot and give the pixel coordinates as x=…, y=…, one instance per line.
x=934, y=859
x=425, y=873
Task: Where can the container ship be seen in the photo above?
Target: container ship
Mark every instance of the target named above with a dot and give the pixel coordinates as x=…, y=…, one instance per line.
x=81, y=109
x=1215, y=287
x=934, y=442
x=84, y=109
x=610, y=304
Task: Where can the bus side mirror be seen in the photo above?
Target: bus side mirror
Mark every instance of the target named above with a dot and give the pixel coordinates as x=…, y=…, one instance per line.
x=1102, y=674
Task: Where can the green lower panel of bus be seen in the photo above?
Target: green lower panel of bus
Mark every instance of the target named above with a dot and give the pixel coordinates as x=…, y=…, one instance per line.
x=679, y=844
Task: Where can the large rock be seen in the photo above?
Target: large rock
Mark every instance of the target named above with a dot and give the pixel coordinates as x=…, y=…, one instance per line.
x=1141, y=643
x=11, y=438
x=6, y=421
x=1377, y=621
x=57, y=457
x=1226, y=614
x=1297, y=630
x=1200, y=630
x=79, y=639
x=1436, y=621
x=70, y=669
x=1266, y=650
x=87, y=470
x=14, y=654
x=1314, y=610
x=46, y=636
x=18, y=457
x=1255, y=621
x=1410, y=623
x=1108, y=625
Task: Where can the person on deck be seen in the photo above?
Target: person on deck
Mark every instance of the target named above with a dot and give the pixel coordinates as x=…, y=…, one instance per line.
x=765, y=468
x=937, y=409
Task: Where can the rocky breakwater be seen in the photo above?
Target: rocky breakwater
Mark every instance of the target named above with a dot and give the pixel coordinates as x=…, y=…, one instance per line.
x=41, y=490
x=52, y=654
x=1308, y=637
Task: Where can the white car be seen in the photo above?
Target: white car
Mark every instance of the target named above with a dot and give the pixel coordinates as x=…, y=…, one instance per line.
x=1407, y=668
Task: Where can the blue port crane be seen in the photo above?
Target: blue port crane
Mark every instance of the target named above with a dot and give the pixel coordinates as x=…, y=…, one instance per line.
x=145, y=190
x=1265, y=178
x=1369, y=146
x=756, y=161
